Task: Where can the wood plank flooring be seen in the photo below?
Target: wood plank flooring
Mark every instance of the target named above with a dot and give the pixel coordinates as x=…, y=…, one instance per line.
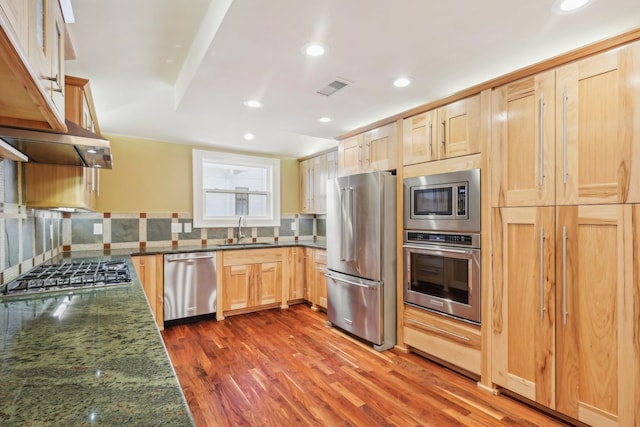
x=288, y=368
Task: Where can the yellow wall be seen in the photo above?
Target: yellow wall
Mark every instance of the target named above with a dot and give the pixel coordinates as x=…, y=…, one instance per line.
x=154, y=176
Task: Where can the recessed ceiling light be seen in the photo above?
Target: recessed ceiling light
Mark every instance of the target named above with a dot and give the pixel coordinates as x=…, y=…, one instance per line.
x=325, y=119
x=315, y=49
x=402, y=82
x=249, y=136
x=253, y=103
x=570, y=6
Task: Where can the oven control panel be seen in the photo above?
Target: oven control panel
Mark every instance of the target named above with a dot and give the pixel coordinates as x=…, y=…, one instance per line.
x=468, y=240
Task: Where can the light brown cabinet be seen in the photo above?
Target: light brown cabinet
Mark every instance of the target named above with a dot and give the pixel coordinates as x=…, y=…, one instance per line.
x=295, y=273
x=374, y=150
x=455, y=342
x=314, y=173
x=320, y=280
x=452, y=130
x=150, y=269
x=252, y=279
x=315, y=282
x=564, y=321
x=32, y=64
x=53, y=186
x=567, y=136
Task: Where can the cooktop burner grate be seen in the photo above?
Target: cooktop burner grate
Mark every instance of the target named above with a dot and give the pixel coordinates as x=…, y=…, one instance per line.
x=71, y=275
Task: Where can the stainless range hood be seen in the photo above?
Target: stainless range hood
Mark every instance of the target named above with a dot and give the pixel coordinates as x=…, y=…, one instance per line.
x=77, y=147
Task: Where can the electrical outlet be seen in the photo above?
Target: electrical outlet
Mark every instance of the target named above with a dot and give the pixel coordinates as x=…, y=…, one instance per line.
x=293, y=226
x=187, y=227
x=97, y=228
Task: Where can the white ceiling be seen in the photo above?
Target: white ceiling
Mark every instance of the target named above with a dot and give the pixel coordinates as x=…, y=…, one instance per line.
x=180, y=70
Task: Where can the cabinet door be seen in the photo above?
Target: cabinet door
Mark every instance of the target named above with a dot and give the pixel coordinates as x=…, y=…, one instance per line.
x=320, y=184
x=15, y=15
x=595, y=314
x=332, y=164
x=597, y=137
x=419, y=143
x=237, y=280
x=321, y=285
x=309, y=275
x=380, y=148
x=459, y=124
x=524, y=142
x=320, y=280
x=306, y=187
x=267, y=282
x=523, y=344
x=350, y=155
x=295, y=257
x=150, y=272
x=46, y=48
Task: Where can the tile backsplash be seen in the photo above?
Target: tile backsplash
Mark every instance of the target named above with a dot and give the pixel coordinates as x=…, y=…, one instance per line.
x=80, y=231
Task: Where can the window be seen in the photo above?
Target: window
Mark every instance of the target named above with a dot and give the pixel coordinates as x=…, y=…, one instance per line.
x=228, y=186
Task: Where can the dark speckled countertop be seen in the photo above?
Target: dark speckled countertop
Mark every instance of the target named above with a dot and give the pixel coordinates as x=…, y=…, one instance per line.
x=86, y=357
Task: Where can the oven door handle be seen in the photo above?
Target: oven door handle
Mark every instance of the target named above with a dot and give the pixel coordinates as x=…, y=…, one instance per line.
x=441, y=249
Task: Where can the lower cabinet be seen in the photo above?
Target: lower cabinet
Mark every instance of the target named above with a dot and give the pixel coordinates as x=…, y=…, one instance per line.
x=251, y=279
x=565, y=311
x=150, y=269
x=295, y=274
x=454, y=342
x=319, y=272
x=315, y=282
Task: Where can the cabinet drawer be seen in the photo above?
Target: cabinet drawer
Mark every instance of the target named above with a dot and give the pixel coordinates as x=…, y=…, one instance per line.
x=454, y=342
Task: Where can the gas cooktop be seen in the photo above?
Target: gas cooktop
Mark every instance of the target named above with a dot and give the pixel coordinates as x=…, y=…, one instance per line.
x=71, y=275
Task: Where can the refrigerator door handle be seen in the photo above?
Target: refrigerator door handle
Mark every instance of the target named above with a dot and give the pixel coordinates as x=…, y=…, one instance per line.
x=351, y=282
x=347, y=240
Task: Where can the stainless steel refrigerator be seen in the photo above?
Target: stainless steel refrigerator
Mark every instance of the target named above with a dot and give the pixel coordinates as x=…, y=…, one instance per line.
x=361, y=256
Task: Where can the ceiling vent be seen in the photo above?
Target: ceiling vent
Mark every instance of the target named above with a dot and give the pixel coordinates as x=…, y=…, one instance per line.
x=333, y=87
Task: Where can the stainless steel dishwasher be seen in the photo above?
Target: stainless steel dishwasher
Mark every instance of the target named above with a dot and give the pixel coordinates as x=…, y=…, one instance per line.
x=190, y=285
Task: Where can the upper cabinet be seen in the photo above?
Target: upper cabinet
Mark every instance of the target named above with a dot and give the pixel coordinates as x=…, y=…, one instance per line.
x=568, y=136
x=314, y=173
x=32, y=37
x=374, y=150
x=452, y=130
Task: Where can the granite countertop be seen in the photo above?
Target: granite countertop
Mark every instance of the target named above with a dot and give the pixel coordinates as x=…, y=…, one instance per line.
x=86, y=357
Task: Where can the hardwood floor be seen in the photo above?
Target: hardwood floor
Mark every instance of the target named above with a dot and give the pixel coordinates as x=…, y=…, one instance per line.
x=287, y=367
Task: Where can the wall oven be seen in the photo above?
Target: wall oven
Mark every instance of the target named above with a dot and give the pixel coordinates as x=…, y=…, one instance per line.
x=441, y=244
x=443, y=202
x=442, y=273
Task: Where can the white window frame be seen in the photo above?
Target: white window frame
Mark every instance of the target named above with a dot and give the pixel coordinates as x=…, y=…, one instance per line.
x=273, y=207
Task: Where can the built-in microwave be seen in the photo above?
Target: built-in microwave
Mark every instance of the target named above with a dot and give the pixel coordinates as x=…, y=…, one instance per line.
x=444, y=202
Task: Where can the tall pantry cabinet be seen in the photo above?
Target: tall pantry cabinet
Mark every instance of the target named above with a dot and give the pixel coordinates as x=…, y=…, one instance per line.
x=565, y=197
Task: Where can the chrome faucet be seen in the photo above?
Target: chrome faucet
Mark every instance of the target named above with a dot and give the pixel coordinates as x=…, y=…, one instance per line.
x=241, y=221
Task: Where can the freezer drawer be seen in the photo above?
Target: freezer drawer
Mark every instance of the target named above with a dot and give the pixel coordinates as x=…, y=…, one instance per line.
x=190, y=285
x=355, y=305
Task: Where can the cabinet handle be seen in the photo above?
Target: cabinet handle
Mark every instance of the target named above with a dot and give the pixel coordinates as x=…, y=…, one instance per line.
x=564, y=134
x=564, y=275
x=542, y=308
x=430, y=139
x=444, y=137
x=541, y=139
x=97, y=183
x=359, y=154
x=439, y=330
x=55, y=80
x=368, y=153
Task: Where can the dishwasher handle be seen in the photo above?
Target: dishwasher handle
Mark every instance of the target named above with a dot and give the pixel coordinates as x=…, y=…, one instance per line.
x=190, y=258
